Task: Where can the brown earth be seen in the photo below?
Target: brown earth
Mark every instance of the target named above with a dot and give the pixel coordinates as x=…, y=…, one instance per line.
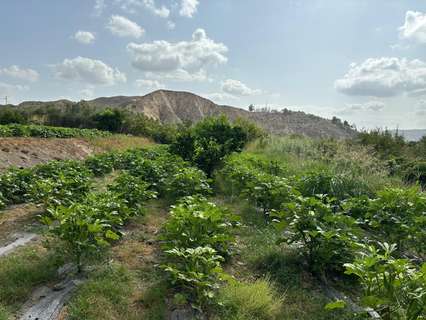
x=27, y=152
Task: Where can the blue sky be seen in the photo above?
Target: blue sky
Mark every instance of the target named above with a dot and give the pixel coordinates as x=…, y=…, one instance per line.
x=361, y=60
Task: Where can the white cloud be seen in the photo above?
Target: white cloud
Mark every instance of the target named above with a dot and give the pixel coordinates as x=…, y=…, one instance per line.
x=123, y=27
x=10, y=89
x=374, y=105
x=184, y=60
x=188, y=8
x=87, y=93
x=149, y=84
x=89, y=71
x=171, y=25
x=84, y=37
x=99, y=7
x=179, y=75
x=220, y=96
x=131, y=6
x=238, y=88
x=384, y=77
x=162, y=11
x=17, y=72
x=414, y=27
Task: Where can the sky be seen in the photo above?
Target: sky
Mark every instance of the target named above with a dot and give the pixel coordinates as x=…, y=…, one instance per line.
x=363, y=61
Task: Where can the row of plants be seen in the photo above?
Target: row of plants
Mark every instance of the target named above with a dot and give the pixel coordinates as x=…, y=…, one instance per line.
x=41, y=131
x=197, y=240
x=91, y=221
x=331, y=226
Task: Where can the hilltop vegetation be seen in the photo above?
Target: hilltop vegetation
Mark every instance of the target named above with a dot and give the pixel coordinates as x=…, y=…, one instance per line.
x=228, y=223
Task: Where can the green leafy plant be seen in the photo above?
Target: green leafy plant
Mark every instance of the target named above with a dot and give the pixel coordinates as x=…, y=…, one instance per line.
x=186, y=182
x=133, y=190
x=400, y=216
x=393, y=287
x=80, y=229
x=195, y=222
x=325, y=237
x=195, y=271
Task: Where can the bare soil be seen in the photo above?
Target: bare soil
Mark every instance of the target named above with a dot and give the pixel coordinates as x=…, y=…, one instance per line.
x=27, y=152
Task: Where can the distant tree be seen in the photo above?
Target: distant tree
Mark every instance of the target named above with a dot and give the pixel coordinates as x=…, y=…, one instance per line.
x=209, y=141
x=9, y=115
x=110, y=120
x=251, y=108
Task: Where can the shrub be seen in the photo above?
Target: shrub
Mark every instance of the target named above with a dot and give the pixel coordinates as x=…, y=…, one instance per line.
x=209, y=141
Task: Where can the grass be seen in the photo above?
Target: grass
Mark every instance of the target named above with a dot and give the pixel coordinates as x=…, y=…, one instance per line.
x=301, y=155
x=129, y=286
x=4, y=315
x=107, y=296
x=118, y=142
x=22, y=272
x=256, y=300
x=259, y=256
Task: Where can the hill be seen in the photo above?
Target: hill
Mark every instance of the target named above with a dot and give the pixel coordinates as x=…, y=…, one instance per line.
x=175, y=107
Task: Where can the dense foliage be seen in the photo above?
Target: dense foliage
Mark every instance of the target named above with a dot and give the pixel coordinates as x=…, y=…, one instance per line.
x=19, y=130
x=209, y=141
x=197, y=239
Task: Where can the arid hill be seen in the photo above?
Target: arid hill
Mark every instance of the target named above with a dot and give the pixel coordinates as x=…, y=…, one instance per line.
x=175, y=107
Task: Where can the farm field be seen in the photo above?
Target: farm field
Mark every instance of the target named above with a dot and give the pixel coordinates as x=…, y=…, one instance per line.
x=224, y=222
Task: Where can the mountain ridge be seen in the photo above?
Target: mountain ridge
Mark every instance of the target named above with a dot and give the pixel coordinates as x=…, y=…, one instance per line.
x=169, y=106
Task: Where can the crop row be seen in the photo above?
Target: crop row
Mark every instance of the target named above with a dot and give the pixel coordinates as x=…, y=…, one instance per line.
x=340, y=226
x=89, y=222
x=40, y=131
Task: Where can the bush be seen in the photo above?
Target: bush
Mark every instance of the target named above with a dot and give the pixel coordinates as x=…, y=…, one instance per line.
x=209, y=141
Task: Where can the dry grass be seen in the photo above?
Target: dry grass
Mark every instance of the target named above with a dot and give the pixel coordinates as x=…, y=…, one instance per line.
x=118, y=143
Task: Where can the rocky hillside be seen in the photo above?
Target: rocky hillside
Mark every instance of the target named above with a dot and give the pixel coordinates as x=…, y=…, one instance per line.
x=174, y=107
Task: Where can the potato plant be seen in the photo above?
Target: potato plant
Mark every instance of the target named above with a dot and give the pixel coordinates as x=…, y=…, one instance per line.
x=195, y=272
x=186, y=182
x=325, y=238
x=195, y=221
x=399, y=215
x=393, y=287
x=133, y=191
x=78, y=227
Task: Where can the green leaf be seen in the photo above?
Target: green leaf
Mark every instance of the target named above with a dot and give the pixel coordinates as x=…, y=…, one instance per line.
x=338, y=304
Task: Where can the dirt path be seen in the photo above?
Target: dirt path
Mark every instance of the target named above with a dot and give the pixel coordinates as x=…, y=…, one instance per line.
x=18, y=220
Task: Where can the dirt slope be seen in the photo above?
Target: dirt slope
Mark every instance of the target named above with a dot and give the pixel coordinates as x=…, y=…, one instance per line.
x=27, y=152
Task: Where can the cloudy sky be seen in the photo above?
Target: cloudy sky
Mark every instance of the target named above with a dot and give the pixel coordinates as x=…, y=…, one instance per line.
x=361, y=60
